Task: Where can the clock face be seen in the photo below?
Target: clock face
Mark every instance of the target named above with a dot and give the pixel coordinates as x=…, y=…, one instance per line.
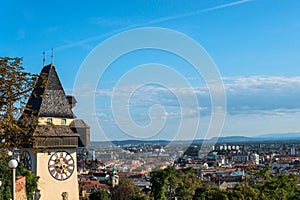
x=61, y=165
x=26, y=159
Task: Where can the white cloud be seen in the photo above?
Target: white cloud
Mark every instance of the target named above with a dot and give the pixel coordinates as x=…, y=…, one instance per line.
x=259, y=94
x=255, y=105
x=262, y=93
x=251, y=124
x=261, y=83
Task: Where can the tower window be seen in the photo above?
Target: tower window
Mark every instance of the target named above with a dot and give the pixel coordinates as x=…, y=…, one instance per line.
x=63, y=121
x=49, y=120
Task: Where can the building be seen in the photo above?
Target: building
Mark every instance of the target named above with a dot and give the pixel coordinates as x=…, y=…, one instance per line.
x=240, y=158
x=114, y=178
x=293, y=151
x=21, y=188
x=79, y=126
x=52, y=156
x=254, y=158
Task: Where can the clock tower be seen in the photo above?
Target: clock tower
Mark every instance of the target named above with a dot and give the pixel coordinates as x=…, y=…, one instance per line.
x=52, y=156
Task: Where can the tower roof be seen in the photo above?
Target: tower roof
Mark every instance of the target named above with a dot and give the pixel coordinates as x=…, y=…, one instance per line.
x=79, y=123
x=48, y=98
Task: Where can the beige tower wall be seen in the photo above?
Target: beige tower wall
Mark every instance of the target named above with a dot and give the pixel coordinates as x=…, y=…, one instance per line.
x=52, y=189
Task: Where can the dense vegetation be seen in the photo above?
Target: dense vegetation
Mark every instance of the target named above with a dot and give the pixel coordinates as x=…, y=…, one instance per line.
x=6, y=179
x=15, y=87
x=16, y=124
x=184, y=184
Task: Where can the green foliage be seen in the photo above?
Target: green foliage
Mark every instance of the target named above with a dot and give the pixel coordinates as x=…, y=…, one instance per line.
x=6, y=178
x=211, y=192
x=159, y=184
x=99, y=195
x=170, y=183
x=15, y=85
x=187, y=186
x=281, y=186
x=31, y=182
x=244, y=192
x=184, y=184
x=265, y=173
x=127, y=191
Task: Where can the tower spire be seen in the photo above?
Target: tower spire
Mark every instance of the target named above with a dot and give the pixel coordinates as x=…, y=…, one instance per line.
x=52, y=57
x=44, y=59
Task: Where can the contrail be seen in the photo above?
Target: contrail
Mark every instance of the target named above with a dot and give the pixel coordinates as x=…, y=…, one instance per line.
x=198, y=12
x=81, y=42
x=226, y=5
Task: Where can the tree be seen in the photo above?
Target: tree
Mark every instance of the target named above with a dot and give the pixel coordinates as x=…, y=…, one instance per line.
x=187, y=186
x=265, y=173
x=16, y=85
x=159, y=183
x=164, y=182
x=31, y=181
x=281, y=186
x=244, y=192
x=127, y=191
x=210, y=192
x=99, y=195
x=169, y=183
x=6, y=177
x=173, y=179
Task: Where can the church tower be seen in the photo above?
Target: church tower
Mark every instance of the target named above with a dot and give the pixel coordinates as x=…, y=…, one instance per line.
x=52, y=156
x=114, y=177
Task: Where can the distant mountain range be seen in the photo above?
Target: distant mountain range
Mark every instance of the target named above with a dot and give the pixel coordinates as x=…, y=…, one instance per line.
x=264, y=137
x=281, y=135
x=224, y=139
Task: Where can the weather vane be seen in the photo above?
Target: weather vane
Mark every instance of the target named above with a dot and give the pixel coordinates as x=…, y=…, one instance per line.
x=44, y=59
x=52, y=57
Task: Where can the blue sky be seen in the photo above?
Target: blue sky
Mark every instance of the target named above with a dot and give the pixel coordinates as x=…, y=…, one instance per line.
x=255, y=45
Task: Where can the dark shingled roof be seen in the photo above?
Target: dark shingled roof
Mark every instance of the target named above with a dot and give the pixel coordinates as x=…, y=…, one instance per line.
x=55, y=131
x=54, y=136
x=48, y=98
x=72, y=101
x=79, y=123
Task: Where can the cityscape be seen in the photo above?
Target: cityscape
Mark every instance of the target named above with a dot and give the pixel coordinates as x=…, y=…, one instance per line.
x=224, y=164
x=150, y=100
